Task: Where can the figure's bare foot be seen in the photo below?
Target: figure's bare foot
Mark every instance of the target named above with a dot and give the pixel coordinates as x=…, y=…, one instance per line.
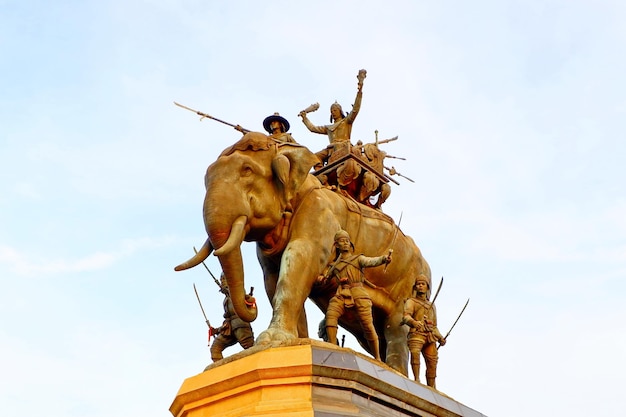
x=274, y=335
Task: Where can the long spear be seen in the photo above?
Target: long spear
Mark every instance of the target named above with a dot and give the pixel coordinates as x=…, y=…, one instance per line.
x=378, y=142
x=393, y=171
x=208, y=116
x=209, y=271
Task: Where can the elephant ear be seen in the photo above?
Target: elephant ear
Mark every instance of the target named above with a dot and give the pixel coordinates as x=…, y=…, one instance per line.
x=291, y=166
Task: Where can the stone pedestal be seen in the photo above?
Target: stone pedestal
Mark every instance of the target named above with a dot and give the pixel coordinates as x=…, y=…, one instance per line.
x=308, y=378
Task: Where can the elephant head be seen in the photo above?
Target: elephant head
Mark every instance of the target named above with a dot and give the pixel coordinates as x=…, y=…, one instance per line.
x=250, y=191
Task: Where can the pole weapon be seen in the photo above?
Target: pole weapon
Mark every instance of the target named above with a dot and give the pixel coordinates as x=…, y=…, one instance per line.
x=391, y=179
x=208, y=116
x=395, y=235
x=454, y=324
x=392, y=171
x=207, y=268
x=395, y=157
x=378, y=142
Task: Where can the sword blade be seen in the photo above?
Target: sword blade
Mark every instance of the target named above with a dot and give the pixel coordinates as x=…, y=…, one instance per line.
x=437, y=292
x=455, y=321
x=201, y=308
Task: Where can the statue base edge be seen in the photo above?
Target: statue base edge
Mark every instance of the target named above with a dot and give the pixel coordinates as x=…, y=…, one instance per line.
x=306, y=377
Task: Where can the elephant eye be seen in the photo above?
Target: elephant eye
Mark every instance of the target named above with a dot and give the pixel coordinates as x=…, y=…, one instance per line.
x=246, y=170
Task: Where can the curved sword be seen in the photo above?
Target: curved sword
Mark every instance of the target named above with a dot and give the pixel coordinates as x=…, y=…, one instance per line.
x=454, y=324
x=201, y=308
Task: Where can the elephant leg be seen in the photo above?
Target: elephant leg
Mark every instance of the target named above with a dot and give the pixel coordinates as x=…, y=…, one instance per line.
x=296, y=278
x=331, y=332
x=303, y=327
x=270, y=275
x=397, y=355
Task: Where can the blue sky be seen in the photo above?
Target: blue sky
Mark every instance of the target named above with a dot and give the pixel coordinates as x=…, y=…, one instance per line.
x=512, y=118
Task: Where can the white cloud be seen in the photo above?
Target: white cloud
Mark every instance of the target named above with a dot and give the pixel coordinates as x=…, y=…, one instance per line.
x=27, y=264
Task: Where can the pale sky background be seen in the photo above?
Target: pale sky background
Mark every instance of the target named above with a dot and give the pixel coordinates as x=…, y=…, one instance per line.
x=511, y=115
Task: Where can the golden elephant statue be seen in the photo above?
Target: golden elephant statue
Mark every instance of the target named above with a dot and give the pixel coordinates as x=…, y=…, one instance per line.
x=261, y=190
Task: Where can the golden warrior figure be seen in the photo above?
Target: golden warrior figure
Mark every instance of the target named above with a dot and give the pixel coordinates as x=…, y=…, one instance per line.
x=347, y=269
x=340, y=129
x=420, y=315
x=233, y=330
x=277, y=127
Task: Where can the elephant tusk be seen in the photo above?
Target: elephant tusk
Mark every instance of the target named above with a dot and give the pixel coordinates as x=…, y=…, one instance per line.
x=235, y=238
x=199, y=257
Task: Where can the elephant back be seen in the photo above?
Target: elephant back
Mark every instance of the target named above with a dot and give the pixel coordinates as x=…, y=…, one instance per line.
x=254, y=141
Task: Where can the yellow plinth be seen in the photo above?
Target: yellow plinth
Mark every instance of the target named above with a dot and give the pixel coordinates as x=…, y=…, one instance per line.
x=308, y=378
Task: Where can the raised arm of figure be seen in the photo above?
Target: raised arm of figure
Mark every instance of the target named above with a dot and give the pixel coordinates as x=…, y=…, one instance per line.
x=315, y=129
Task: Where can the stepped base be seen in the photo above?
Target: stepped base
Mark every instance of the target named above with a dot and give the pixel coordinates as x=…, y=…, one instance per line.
x=306, y=377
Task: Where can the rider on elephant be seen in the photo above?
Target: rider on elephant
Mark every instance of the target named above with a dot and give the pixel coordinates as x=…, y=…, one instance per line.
x=340, y=129
x=371, y=184
x=347, y=269
x=234, y=329
x=420, y=315
x=277, y=127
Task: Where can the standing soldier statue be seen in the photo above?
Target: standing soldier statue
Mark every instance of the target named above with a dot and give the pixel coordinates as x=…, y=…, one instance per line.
x=420, y=315
x=348, y=270
x=233, y=329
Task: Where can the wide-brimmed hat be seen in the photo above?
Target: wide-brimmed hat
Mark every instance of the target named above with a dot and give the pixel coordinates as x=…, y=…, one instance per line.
x=275, y=117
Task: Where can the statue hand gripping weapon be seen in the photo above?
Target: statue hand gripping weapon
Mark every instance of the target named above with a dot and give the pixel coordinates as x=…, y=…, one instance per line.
x=313, y=107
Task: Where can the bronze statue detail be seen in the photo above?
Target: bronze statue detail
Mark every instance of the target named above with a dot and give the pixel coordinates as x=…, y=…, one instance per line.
x=277, y=126
x=421, y=316
x=357, y=171
x=260, y=190
x=208, y=116
x=233, y=330
x=340, y=129
x=347, y=269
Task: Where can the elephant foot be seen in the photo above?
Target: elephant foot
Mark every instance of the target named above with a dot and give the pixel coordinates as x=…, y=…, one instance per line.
x=274, y=335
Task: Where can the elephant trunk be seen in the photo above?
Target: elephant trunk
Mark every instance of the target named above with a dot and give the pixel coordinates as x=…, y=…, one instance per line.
x=199, y=257
x=229, y=255
x=232, y=266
